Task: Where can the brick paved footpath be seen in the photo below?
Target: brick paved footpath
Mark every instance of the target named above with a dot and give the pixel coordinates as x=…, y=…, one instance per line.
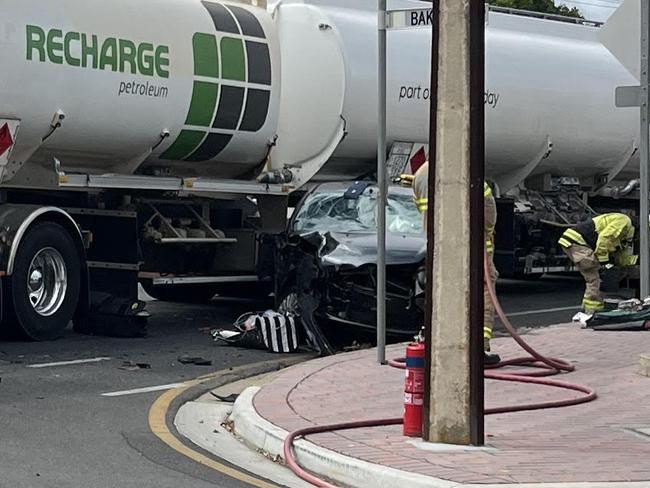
x=593, y=442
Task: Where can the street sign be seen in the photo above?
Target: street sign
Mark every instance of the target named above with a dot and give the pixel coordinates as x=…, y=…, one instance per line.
x=410, y=19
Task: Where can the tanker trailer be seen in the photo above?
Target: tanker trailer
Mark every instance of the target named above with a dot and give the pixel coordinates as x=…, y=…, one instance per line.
x=132, y=135
x=557, y=148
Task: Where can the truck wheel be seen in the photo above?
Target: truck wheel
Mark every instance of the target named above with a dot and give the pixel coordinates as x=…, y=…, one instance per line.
x=43, y=291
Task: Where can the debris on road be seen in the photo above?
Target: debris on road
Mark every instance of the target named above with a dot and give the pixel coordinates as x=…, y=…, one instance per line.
x=198, y=361
x=226, y=399
x=355, y=346
x=277, y=459
x=267, y=330
x=228, y=425
x=113, y=316
x=133, y=366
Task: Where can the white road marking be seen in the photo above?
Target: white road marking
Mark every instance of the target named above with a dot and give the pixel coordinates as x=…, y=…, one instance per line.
x=543, y=310
x=147, y=389
x=68, y=363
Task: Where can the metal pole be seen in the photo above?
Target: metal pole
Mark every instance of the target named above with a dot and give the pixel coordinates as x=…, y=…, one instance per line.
x=381, y=183
x=644, y=147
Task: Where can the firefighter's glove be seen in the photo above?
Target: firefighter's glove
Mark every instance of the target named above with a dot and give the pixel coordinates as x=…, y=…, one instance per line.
x=405, y=180
x=610, y=278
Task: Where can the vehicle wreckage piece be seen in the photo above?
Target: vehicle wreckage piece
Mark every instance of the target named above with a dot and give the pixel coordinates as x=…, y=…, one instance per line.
x=274, y=332
x=345, y=293
x=329, y=254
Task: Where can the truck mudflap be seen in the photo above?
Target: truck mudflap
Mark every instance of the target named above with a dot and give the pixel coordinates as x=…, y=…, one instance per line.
x=113, y=316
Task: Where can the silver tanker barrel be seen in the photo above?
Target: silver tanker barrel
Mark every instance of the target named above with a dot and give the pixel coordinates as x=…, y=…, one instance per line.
x=548, y=83
x=196, y=82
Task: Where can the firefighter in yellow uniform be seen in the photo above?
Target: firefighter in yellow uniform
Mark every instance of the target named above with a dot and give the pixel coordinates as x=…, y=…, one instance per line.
x=603, y=241
x=420, y=184
x=490, y=222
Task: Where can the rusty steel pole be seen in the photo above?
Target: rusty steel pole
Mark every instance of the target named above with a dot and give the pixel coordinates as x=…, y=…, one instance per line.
x=477, y=200
x=431, y=230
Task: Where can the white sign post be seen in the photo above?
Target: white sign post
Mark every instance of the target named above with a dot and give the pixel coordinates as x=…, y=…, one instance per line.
x=395, y=19
x=382, y=184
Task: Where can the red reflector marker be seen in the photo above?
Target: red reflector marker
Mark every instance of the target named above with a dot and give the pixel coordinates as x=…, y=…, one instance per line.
x=418, y=159
x=6, y=141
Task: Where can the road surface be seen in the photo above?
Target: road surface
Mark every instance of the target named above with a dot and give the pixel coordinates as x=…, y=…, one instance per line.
x=60, y=429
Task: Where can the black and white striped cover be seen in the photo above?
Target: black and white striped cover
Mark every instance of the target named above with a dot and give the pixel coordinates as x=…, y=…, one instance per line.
x=278, y=332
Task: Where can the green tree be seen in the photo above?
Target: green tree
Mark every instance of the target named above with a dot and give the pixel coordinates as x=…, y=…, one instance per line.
x=545, y=6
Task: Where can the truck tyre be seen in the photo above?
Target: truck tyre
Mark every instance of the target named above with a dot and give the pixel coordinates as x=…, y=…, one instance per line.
x=42, y=293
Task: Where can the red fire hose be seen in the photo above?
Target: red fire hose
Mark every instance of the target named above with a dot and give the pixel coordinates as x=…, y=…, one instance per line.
x=543, y=366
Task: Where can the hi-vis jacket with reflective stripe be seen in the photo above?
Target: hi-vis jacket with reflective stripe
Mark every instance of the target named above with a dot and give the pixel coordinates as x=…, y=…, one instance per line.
x=487, y=191
x=605, y=235
x=490, y=215
x=420, y=182
x=421, y=188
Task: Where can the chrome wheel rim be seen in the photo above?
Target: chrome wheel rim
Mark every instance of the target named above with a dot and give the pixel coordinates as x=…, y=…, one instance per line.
x=47, y=281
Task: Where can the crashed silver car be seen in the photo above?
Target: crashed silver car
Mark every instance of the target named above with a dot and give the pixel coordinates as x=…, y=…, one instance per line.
x=325, y=264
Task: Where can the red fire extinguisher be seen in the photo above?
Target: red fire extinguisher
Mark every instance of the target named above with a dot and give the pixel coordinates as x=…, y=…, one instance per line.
x=414, y=390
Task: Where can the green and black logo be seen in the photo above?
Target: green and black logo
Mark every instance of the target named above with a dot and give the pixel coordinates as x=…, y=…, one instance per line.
x=232, y=84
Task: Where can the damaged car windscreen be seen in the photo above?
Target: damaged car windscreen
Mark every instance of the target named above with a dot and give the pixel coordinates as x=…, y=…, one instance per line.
x=331, y=212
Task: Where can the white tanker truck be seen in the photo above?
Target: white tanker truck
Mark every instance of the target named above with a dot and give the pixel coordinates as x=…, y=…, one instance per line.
x=132, y=136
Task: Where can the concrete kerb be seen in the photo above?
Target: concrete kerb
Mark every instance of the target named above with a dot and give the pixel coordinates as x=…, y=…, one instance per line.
x=192, y=421
x=262, y=434
x=259, y=433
